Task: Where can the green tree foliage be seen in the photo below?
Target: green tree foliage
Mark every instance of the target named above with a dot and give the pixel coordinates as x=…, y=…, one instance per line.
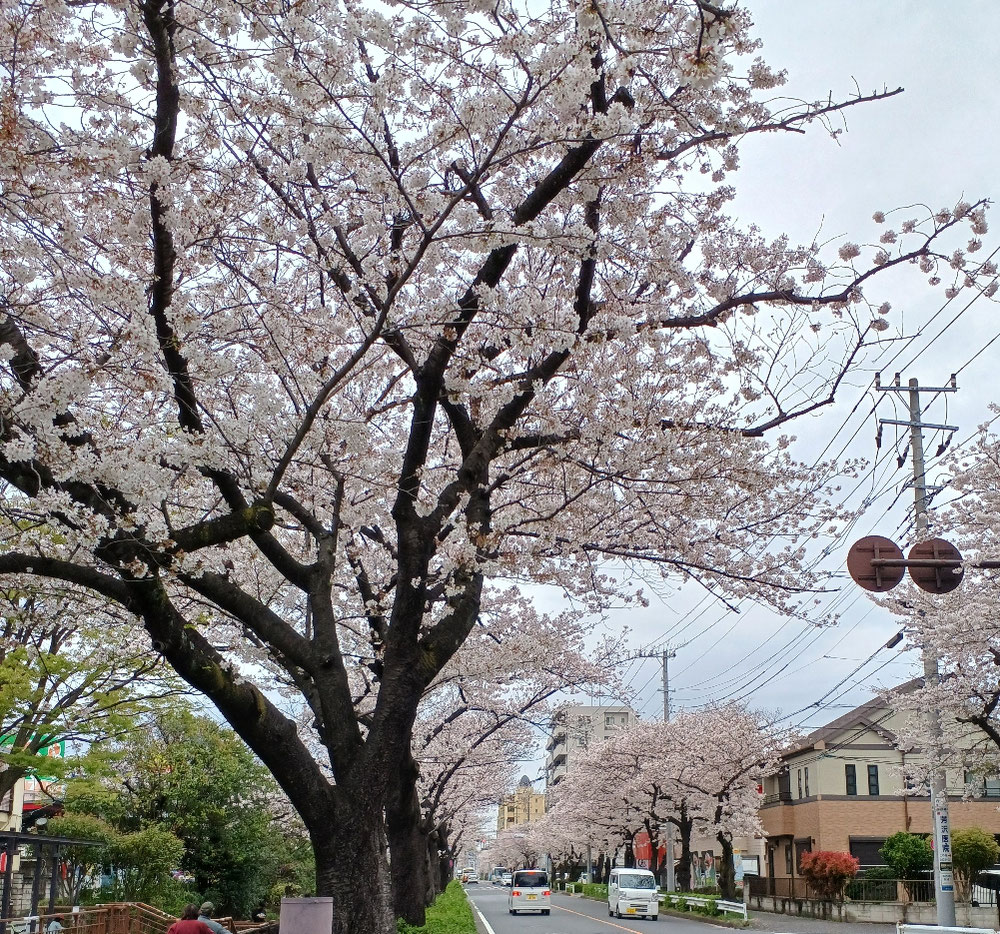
x=192, y=776
x=908, y=854
x=68, y=672
x=972, y=850
x=143, y=861
x=828, y=871
x=83, y=860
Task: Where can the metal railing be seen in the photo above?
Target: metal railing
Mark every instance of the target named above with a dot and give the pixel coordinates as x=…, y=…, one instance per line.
x=857, y=890
x=671, y=899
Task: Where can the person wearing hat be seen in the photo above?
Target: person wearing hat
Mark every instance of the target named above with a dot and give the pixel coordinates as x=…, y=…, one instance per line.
x=205, y=917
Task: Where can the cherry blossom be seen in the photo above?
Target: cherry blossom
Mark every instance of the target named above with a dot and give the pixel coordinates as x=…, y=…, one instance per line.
x=328, y=326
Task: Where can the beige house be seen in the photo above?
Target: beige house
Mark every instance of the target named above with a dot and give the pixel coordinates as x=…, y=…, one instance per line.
x=574, y=728
x=841, y=789
x=10, y=808
x=521, y=807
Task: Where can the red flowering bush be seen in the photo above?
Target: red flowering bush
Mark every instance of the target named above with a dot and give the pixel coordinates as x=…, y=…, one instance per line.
x=828, y=872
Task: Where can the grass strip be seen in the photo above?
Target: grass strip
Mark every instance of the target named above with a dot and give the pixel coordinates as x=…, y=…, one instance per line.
x=451, y=913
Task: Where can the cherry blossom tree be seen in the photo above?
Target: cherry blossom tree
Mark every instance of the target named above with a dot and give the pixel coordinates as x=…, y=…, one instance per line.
x=477, y=720
x=960, y=628
x=700, y=772
x=325, y=324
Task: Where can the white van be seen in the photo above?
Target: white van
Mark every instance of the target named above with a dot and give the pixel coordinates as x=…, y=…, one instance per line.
x=529, y=891
x=632, y=892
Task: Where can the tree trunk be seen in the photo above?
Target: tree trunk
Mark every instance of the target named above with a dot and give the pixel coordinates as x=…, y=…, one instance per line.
x=412, y=889
x=683, y=872
x=724, y=870
x=352, y=868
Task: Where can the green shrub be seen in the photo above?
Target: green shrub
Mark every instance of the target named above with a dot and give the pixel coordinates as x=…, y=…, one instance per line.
x=909, y=854
x=450, y=914
x=973, y=850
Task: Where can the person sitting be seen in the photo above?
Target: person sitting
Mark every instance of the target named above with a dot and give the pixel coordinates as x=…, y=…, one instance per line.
x=189, y=923
x=55, y=925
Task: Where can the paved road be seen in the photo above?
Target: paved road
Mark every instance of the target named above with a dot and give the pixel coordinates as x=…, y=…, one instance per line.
x=570, y=916
x=586, y=916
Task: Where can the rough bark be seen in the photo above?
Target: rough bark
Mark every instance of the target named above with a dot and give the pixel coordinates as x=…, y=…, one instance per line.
x=408, y=847
x=684, y=826
x=724, y=870
x=351, y=867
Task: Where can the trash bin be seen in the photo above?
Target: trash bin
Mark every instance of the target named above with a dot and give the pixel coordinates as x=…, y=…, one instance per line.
x=306, y=915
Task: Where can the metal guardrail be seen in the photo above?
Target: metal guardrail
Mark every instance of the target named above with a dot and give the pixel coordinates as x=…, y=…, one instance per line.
x=736, y=908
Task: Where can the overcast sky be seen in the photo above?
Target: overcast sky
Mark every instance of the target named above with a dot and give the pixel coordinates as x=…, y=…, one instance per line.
x=934, y=144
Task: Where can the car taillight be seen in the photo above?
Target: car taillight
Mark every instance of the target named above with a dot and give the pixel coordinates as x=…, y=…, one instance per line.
x=515, y=892
x=547, y=892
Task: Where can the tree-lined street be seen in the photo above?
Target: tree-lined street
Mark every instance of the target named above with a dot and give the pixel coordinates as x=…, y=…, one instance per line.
x=357, y=361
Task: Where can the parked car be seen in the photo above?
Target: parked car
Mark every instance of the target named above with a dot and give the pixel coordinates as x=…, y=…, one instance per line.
x=529, y=891
x=632, y=892
x=505, y=878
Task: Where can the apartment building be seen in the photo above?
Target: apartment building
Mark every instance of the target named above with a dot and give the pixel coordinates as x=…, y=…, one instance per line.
x=842, y=789
x=521, y=807
x=575, y=728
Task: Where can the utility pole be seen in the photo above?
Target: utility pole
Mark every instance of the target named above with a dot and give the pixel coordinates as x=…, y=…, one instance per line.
x=668, y=831
x=668, y=654
x=943, y=874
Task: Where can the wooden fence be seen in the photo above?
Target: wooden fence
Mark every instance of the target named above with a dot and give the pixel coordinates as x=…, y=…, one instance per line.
x=119, y=918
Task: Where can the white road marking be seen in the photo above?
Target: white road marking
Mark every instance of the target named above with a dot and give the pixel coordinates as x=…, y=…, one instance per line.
x=486, y=924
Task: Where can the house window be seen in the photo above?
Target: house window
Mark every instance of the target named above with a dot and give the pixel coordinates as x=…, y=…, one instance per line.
x=798, y=775
x=807, y=781
x=867, y=851
x=788, y=859
x=851, y=778
x=873, y=779
x=992, y=788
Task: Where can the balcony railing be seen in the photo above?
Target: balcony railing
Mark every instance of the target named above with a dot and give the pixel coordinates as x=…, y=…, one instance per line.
x=778, y=796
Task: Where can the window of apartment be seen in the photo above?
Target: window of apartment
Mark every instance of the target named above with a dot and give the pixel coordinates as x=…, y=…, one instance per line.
x=851, y=778
x=807, y=780
x=798, y=776
x=873, y=779
x=788, y=859
x=991, y=788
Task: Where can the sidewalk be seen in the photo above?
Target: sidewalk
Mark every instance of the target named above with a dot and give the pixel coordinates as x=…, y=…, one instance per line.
x=796, y=924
